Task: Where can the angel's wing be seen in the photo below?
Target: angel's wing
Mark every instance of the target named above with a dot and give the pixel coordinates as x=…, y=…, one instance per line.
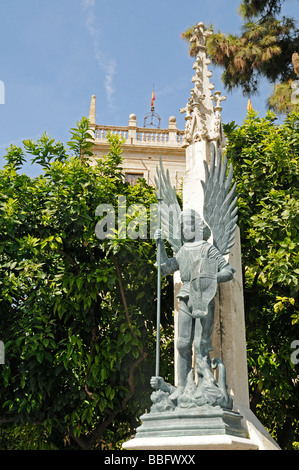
x=170, y=209
x=220, y=209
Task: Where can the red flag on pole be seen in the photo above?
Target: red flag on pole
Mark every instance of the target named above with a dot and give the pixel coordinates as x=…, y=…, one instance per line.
x=153, y=99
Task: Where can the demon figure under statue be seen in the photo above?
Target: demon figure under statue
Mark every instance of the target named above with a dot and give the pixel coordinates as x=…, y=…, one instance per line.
x=202, y=265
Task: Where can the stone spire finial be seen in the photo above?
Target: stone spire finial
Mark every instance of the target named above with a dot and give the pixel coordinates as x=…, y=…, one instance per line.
x=203, y=120
x=218, y=98
x=200, y=36
x=92, y=110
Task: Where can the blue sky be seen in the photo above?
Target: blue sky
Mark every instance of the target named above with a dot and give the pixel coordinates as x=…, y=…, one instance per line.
x=56, y=53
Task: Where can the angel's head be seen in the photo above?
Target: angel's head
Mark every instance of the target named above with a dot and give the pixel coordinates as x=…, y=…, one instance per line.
x=192, y=226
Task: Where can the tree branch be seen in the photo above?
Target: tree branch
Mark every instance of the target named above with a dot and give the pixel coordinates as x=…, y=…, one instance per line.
x=81, y=442
x=141, y=352
x=122, y=293
x=71, y=260
x=98, y=431
x=101, y=427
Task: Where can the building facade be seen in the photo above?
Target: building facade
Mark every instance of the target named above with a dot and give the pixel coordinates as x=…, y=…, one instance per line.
x=143, y=147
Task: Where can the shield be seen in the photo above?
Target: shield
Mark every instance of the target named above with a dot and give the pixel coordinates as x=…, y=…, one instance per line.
x=203, y=285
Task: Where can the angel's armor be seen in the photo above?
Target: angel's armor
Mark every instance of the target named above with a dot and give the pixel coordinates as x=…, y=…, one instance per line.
x=202, y=264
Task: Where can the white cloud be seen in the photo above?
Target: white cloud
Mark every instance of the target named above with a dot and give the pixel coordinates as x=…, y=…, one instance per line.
x=88, y=3
x=106, y=64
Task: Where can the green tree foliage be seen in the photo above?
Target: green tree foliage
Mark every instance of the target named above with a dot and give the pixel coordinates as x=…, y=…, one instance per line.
x=252, y=8
x=77, y=314
x=266, y=167
x=24, y=437
x=284, y=98
x=264, y=48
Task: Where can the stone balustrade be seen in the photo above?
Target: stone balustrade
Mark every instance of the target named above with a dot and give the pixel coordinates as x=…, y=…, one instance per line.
x=101, y=132
x=132, y=134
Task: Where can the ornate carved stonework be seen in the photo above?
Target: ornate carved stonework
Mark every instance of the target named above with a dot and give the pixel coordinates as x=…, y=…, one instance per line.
x=203, y=120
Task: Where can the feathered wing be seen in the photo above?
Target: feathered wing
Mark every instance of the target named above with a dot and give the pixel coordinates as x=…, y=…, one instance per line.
x=220, y=202
x=170, y=209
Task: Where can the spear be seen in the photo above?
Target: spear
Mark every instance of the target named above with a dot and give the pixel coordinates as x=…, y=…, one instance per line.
x=158, y=276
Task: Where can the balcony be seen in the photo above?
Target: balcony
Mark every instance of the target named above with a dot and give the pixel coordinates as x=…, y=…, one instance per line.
x=142, y=136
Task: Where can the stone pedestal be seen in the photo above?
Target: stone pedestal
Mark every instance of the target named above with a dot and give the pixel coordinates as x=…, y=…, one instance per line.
x=203, y=421
x=201, y=428
x=215, y=442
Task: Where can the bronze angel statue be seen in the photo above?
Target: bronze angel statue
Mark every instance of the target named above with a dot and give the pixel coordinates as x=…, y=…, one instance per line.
x=202, y=266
